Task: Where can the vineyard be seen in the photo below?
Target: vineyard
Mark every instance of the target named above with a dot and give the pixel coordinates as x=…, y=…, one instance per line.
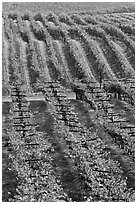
x=68, y=107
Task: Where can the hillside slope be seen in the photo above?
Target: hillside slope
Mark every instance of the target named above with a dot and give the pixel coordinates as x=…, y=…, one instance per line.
x=68, y=107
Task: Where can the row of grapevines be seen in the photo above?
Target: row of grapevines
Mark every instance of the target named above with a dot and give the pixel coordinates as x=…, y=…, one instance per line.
x=13, y=57
x=63, y=17
x=128, y=16
x=115, y=18
x=90, y=20
x=75, y=54
x=34, y=167
x=114, y=124
x=122, y=88
x=16, y=44
x=20, y=48
x=6, y=27
x=41, y=58
x=95, y=49
x=31, y=55
x=122, y=137
x=32, y=160
x=71, y=20
x=23, y=65
x=37, y=50
x=52, y=60
x=119, y=134
x=83, y=69
x=123, y=63
x=73, y=186
x=116, y=32
x=75, y=59
x=42, y=53
x=127, y=70
x=23, y=29
x=78, y=19
x=97, y=31
x=106, y=20
x=61, y=35
x=79, y=132
x=62, y=61
x=31, y=65
x=76, y=32
x=12, y=64
x=5, y=62
x=93, y=161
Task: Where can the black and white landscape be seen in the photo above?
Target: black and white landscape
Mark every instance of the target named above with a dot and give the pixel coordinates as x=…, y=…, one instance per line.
x=68, y=85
